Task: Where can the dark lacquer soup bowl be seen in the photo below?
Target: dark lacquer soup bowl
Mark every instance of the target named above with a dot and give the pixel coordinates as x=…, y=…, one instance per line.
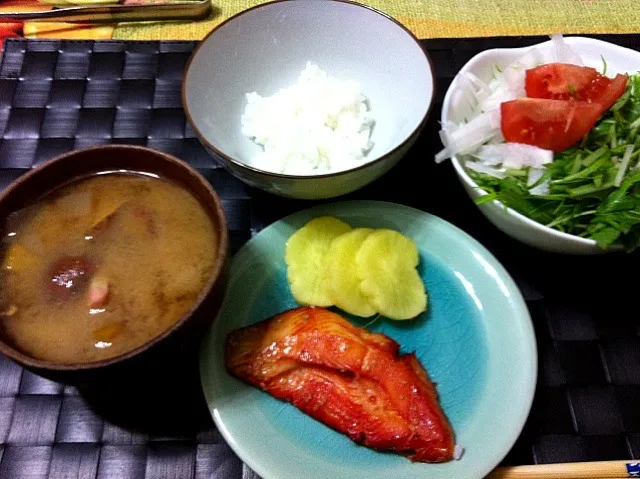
x=130, y=270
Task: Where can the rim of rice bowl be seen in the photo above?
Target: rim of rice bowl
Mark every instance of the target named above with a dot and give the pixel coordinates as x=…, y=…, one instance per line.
x=462, y=173
x=365, y=161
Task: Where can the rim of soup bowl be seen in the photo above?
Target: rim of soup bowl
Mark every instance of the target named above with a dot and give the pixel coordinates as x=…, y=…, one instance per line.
x=214, y=277
x=227, y=158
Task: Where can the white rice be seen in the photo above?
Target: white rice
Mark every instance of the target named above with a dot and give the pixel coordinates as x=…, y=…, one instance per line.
x=319, y=125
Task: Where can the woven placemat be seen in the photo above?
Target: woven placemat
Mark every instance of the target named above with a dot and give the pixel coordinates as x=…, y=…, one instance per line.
x=440, y=18
x=56, y=96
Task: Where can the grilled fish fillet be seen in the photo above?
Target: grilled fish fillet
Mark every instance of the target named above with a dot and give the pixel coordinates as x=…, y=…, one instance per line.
x=346, y=377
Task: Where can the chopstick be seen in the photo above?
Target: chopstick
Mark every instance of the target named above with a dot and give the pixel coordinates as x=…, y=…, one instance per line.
x=570, y=470
x=184, y=10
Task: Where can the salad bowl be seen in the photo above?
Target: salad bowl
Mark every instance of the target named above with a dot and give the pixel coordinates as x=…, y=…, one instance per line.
x=594, y=53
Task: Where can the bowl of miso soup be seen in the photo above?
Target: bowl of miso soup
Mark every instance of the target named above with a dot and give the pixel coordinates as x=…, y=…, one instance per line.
x=106, y=253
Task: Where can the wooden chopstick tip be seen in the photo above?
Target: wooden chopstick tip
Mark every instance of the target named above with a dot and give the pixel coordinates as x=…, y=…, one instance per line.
x=570, y=470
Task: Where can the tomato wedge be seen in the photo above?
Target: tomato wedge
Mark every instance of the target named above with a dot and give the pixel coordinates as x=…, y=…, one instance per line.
x=550, y=124
x=561, y=81
x=610, y=92
x=558, y=81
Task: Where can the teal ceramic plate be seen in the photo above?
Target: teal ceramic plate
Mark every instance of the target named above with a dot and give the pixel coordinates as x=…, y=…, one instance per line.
x=476, y=341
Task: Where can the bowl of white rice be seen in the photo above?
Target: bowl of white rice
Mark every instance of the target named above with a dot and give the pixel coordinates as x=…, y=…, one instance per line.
x=310, y=99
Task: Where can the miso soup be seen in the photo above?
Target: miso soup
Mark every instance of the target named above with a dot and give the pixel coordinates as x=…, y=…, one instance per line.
x=101, y=266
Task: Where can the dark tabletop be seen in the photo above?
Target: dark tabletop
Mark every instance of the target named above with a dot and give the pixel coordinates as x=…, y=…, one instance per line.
x=56, y=96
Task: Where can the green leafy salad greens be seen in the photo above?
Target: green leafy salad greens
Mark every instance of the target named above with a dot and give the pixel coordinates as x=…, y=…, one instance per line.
x=593, y=188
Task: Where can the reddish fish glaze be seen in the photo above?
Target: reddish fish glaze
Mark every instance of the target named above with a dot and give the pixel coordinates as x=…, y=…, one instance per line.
x=346, y=377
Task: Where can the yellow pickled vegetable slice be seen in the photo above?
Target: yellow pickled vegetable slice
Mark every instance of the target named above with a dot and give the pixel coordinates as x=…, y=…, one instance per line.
x=343, y=282
x=386, y=265
x=305, y=256
x=67, y=31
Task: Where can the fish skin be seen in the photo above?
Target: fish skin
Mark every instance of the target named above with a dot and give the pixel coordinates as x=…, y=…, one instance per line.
x=346, y=377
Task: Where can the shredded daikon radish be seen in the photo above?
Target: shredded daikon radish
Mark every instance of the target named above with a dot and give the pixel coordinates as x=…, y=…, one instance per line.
x=468, y=137
x=514, y=155
x=499, y=95
x=487, y=170
x=514, y=73
x=624, y=164
x=518, y=155
x=535, y=174
x=479, y=88
x=563, y=52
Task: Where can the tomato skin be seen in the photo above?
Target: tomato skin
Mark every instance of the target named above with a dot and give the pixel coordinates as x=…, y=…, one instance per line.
x=550, y=124
x=613, y=90
x=560, y=81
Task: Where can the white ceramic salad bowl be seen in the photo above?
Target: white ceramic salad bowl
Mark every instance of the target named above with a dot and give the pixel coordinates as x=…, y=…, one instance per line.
x=455, y=109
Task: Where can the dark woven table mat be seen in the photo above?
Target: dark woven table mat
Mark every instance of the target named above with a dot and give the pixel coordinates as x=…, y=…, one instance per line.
x=57, y=96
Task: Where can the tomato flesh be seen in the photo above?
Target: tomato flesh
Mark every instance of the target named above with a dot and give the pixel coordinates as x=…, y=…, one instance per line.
x=558, y=81
x=550, y=124
x=561, y=81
